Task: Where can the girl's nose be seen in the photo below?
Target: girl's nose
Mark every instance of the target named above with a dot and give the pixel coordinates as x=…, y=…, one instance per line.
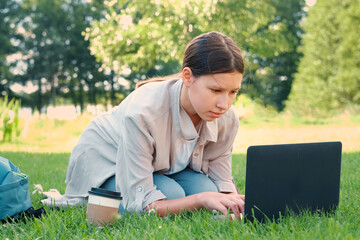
x=222, y=102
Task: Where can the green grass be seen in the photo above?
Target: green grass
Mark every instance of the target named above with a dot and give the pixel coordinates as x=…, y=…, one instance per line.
x=49, y=169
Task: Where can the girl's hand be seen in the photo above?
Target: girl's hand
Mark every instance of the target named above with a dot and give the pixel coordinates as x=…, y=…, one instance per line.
x=223, y=202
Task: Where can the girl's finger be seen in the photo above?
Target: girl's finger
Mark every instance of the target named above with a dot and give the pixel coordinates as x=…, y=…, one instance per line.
x=242, y=197
x=240, y=203
x=233, y=206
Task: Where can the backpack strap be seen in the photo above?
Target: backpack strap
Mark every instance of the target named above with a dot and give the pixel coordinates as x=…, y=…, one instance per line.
x=29, y=213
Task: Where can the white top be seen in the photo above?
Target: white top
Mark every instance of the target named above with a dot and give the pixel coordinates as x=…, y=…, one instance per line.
x=149, y=132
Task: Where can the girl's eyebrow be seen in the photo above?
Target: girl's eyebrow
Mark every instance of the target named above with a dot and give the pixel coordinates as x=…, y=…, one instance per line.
x=217, y=86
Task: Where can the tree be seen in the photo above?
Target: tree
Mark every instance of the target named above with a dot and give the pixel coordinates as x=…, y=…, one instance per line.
x=271, y=75
x=59, y=60
x=80, y=67
x=147, y=35
x=328, y=78
x=9, y=16
x=44, y=44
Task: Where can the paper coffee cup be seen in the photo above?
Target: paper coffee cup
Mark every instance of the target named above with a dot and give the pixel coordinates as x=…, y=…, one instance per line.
x=103, y=206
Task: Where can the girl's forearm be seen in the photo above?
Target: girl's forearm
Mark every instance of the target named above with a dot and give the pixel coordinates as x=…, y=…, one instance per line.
x=175, y=206
x=209, y=200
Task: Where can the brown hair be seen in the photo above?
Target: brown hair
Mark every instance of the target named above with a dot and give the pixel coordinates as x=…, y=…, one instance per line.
x=209, y=53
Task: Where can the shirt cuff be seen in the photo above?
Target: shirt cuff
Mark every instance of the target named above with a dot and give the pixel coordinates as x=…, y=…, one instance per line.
x=152, y=197
x=225, y=186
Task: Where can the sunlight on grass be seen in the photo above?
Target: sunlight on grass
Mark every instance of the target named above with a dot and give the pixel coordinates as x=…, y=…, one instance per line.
x=42, y=134
x=349, y=135
x=258, y=125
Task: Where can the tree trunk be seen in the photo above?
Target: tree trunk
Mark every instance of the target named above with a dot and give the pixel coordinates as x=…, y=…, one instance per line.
x=39, y=103
x=112, y=91
x=92, y=91
x=53, y=90
x=72, y=92
x=81, y=97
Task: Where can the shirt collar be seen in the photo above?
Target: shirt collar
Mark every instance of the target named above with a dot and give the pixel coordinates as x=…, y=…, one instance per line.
x=182, y=122
x=209, y=131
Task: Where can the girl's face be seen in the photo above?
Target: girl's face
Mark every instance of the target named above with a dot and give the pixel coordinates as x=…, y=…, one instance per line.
x=210, y=96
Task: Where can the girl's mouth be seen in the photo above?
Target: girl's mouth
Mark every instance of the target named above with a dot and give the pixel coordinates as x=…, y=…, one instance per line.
x=215, y=115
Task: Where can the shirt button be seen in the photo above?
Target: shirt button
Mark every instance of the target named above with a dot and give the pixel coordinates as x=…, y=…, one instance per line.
x=139, y=189
x=196, y=154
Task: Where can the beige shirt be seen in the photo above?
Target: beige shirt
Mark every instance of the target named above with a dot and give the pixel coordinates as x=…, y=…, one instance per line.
x=149, y=132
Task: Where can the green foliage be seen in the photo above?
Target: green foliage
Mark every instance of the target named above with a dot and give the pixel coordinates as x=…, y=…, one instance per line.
x=253, y=113
x=9, y=40
x=138, y=39
x=148, y=38
x=9, y=119
x=142, y=35
x=328, y=78
x=270, y=76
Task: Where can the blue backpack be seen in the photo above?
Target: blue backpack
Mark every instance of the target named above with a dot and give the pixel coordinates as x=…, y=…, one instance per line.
x=14, y=192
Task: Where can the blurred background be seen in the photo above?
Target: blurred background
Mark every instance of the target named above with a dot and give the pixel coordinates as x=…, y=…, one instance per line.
x=64, y=61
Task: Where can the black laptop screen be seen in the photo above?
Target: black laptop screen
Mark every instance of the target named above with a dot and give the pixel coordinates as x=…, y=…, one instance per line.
x=291, y=176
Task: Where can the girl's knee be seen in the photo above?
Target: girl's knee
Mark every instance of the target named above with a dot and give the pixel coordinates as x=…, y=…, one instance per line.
x=194, y=182
x=209, y=186
x=202, y=183
x=170, y=188
x=174, y=193
x=109, y=184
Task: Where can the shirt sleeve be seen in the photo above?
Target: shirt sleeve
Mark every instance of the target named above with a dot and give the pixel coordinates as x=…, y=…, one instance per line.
x=134, y=169
x=219, y=168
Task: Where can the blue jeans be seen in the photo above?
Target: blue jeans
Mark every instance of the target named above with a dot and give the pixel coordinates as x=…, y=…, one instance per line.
x=178, y=185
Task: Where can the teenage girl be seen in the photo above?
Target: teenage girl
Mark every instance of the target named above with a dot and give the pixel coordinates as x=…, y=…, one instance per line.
x=168, y=145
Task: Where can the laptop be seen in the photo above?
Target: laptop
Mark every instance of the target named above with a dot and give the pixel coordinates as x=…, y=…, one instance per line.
x=291, y=178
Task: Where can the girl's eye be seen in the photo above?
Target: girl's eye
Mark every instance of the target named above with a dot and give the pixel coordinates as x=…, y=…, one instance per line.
x=234, y=92
x=215, y=90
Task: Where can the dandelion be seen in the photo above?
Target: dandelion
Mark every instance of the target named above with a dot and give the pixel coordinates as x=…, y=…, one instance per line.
x=152, y=211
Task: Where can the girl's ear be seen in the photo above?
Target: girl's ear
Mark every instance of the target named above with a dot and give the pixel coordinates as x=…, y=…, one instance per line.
x=186, y=76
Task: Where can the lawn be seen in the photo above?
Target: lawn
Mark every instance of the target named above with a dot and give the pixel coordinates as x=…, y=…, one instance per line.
x=49, y=169
x=44, y=151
